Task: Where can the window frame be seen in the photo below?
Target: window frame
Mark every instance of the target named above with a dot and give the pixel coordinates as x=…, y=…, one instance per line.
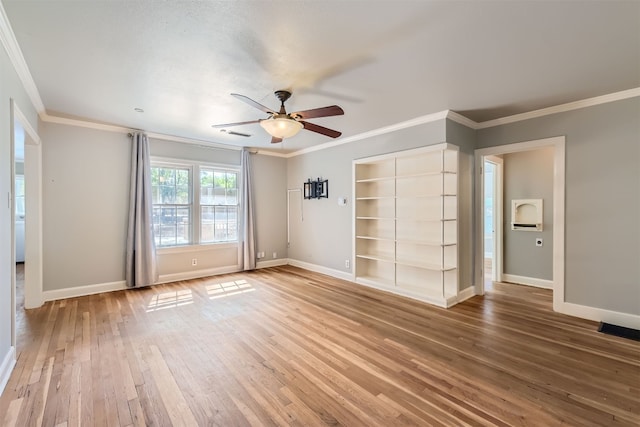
x=178, y=165
x=195, y=193
x=216, y=169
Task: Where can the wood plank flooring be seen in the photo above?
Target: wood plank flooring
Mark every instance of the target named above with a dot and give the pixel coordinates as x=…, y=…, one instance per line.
x=285, y=346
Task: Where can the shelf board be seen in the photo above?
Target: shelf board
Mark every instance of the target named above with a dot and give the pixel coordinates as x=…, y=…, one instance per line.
x=376, y=217
x=420, y=174
x=425, y=219
x=375, y=280
x=375, y=258
x=426, y=266
x=427, y=196
x=408, y=263
x=376, y=198
x=385, y=239
x=424, y=196
x=425, y=242
x=390, y=218
x=377, y=179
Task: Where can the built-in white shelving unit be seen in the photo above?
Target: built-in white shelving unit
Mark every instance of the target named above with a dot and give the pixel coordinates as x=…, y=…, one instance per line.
x=406, y=223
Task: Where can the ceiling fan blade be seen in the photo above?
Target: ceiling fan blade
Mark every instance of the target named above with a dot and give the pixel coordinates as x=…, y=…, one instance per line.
x=275, y=140
x=332, y=110
x=254, y=103
x=321, y=129
x=228, y=125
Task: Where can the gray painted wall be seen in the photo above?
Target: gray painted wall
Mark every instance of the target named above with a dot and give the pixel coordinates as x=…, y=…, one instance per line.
x=270, y=201
x=465, y=138
x=10, y=88
x=325, y=236
x=602, y=204
x=198, y=153
x=86, y=196
x=85, y=174
x=529, y=175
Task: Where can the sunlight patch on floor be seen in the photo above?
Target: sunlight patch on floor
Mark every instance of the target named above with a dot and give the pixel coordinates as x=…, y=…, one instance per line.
x=170, y=300
x=220, y=290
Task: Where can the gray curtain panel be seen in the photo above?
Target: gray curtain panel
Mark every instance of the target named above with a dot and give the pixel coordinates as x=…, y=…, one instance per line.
x=141, y=250
x=248, y=233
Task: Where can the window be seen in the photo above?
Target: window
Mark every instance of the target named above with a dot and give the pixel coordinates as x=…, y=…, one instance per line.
x=188, y=210
x=218, y=205
x=171, y=205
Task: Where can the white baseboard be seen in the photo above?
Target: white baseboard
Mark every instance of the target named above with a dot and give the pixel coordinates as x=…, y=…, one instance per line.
x=529, y=281
x=8, y=362
x=272, y=263
x=437, y=301
x=463, y=295
x=600, y=315
x=320, y=269
x=81, y=291
x=196, y=274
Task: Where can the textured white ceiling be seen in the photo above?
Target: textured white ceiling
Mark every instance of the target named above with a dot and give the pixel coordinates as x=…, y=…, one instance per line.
x=382, y=61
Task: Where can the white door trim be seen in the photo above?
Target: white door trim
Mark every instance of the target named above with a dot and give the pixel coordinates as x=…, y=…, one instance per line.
x=558, y=144
x=33, y=220
x=496, y=271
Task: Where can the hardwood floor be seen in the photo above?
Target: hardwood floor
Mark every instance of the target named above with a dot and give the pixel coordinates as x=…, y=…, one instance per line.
x=488, y=282
x=19, y=289
x=285, y=346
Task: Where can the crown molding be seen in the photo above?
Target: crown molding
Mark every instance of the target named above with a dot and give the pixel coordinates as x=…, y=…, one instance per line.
x=10, y=44
x=380, y=131
x=459, y=118
x=576, y=105
x=45, y=117
x=272, y=153
x=24, y=122
x=199, y=142
x=446, y=114
x=120, y=129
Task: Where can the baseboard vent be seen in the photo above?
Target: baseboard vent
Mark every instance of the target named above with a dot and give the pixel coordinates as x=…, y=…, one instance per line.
x=619, y=331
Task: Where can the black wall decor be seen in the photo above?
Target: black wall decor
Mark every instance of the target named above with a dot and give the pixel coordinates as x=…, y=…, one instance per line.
x=317, y=189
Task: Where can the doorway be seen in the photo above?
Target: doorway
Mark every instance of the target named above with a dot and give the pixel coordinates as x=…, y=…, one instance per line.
x=558, y=145
x=492, y=211
x=19, y=198
x=26, y=176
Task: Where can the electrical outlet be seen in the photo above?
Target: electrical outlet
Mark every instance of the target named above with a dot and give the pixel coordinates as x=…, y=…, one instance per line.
x=346, y=263
x=194, y=261
x=539, y=241
x=275, y=255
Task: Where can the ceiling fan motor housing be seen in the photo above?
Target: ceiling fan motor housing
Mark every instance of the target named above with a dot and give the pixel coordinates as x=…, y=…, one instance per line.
x=283, y=95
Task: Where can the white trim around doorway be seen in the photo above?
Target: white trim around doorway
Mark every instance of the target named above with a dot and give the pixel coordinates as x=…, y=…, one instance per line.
x=558, y=143
x=498, y=203
x=33, y=220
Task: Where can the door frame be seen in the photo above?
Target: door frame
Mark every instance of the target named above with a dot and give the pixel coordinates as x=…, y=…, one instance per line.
x=558, y=144
x=33, y=220
x=496, y=267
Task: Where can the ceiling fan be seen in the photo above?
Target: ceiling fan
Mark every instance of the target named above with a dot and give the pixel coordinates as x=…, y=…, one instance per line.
x=281, y=125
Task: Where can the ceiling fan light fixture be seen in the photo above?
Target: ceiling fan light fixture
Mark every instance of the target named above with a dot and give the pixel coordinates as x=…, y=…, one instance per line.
x=281, y=127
